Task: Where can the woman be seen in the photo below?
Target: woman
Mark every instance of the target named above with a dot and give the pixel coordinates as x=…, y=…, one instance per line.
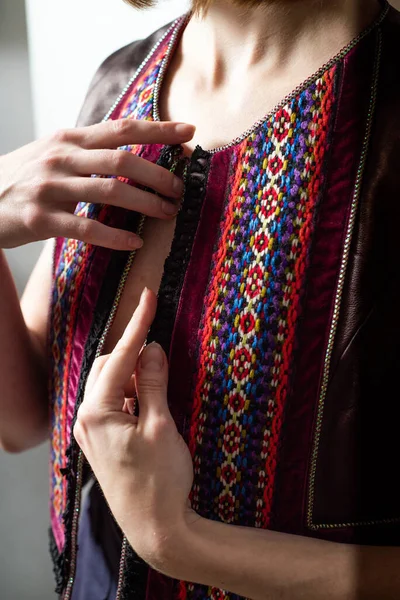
x=277, y=307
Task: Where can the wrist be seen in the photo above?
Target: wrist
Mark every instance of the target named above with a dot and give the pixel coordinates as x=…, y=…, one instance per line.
x=169, y=549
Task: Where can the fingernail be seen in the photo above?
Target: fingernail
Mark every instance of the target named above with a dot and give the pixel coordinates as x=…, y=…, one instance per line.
x=169, y=208
x=135, y=242
x=143, y=294
x=152, y=358
x=185, y=130
x=177, y=186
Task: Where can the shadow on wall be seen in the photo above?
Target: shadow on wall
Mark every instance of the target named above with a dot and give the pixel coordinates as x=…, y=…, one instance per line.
x=25, y=568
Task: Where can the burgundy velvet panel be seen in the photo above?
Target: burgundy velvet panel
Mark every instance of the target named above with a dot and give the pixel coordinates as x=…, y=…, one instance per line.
x=182, y=351
x=184, y=336
x=290, y=497
x=95, y=277
x=159, y=586
x=58, y=243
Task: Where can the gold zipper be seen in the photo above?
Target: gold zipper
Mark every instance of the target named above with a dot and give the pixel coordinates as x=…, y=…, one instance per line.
x=121, y=568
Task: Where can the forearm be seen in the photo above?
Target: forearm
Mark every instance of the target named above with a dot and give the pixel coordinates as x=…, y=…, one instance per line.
x=23, y=405
x=266, y=565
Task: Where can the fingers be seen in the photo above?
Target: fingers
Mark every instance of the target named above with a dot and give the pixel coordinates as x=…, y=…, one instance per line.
x=95, y=372
x=152, y=382
x=93, y=232
x=124, y=132
x=113, y=192
x=121, y=163
x=130, y=388
x=121, y=364
x=129, y=408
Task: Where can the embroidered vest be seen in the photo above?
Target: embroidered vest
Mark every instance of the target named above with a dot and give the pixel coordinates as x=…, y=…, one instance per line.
x=278, y=309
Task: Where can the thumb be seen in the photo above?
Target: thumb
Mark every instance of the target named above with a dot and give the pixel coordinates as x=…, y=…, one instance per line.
x=152, y=380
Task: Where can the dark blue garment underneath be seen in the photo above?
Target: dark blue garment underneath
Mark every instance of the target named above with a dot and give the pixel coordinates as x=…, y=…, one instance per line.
x=99, y=551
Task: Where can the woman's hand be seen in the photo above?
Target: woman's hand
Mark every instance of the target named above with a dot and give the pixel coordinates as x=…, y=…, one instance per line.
x=142, y=463
x=41, y=183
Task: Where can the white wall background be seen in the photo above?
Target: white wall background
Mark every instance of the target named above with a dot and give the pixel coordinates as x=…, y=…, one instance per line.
x=70, y=38
x=25, y=570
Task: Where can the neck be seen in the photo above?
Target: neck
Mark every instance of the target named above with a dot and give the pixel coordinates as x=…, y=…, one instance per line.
x=275, y=32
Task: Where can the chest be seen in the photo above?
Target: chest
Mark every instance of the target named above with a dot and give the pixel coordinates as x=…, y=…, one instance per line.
x=222, y=114
x=146, y=271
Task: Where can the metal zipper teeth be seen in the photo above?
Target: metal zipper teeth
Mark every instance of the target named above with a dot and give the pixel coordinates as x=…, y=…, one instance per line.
x=339, y=294
x=121, y=568
x=300, y=88
x=81, y=459
x=74, y=531
x=179, y=25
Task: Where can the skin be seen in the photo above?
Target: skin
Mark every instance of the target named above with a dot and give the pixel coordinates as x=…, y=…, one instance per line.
x=281, y=42
x=40, y=186
x=251, y=58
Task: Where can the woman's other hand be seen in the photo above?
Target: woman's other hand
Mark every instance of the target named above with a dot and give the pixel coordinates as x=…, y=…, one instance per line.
x=143, y=465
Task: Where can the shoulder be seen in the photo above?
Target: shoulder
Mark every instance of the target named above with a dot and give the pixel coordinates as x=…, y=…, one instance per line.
x=112, y=76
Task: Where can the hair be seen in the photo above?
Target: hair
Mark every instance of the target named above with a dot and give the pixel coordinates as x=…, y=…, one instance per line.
x=199, y=6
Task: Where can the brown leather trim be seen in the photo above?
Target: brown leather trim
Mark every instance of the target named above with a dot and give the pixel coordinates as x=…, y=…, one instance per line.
x=356, y=491
x=339, y=293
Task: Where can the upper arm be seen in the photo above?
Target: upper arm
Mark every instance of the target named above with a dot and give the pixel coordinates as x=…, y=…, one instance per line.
x=35, y=302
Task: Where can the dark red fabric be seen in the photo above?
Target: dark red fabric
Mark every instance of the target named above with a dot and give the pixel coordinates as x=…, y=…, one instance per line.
x=181, y=358
x=100, y=261
x=192, y=297
x=159, y=586
x=57, y=250
x=290, y=498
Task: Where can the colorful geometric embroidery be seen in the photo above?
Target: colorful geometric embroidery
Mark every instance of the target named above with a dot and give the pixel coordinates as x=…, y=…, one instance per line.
x=138, y=104
x=248, y=327
x=68, y=281
x=70, y=276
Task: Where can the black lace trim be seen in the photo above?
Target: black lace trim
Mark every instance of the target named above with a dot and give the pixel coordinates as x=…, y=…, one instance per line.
x=136, y=570
x=57, y=560
x=135, y=575
x=178, y=259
